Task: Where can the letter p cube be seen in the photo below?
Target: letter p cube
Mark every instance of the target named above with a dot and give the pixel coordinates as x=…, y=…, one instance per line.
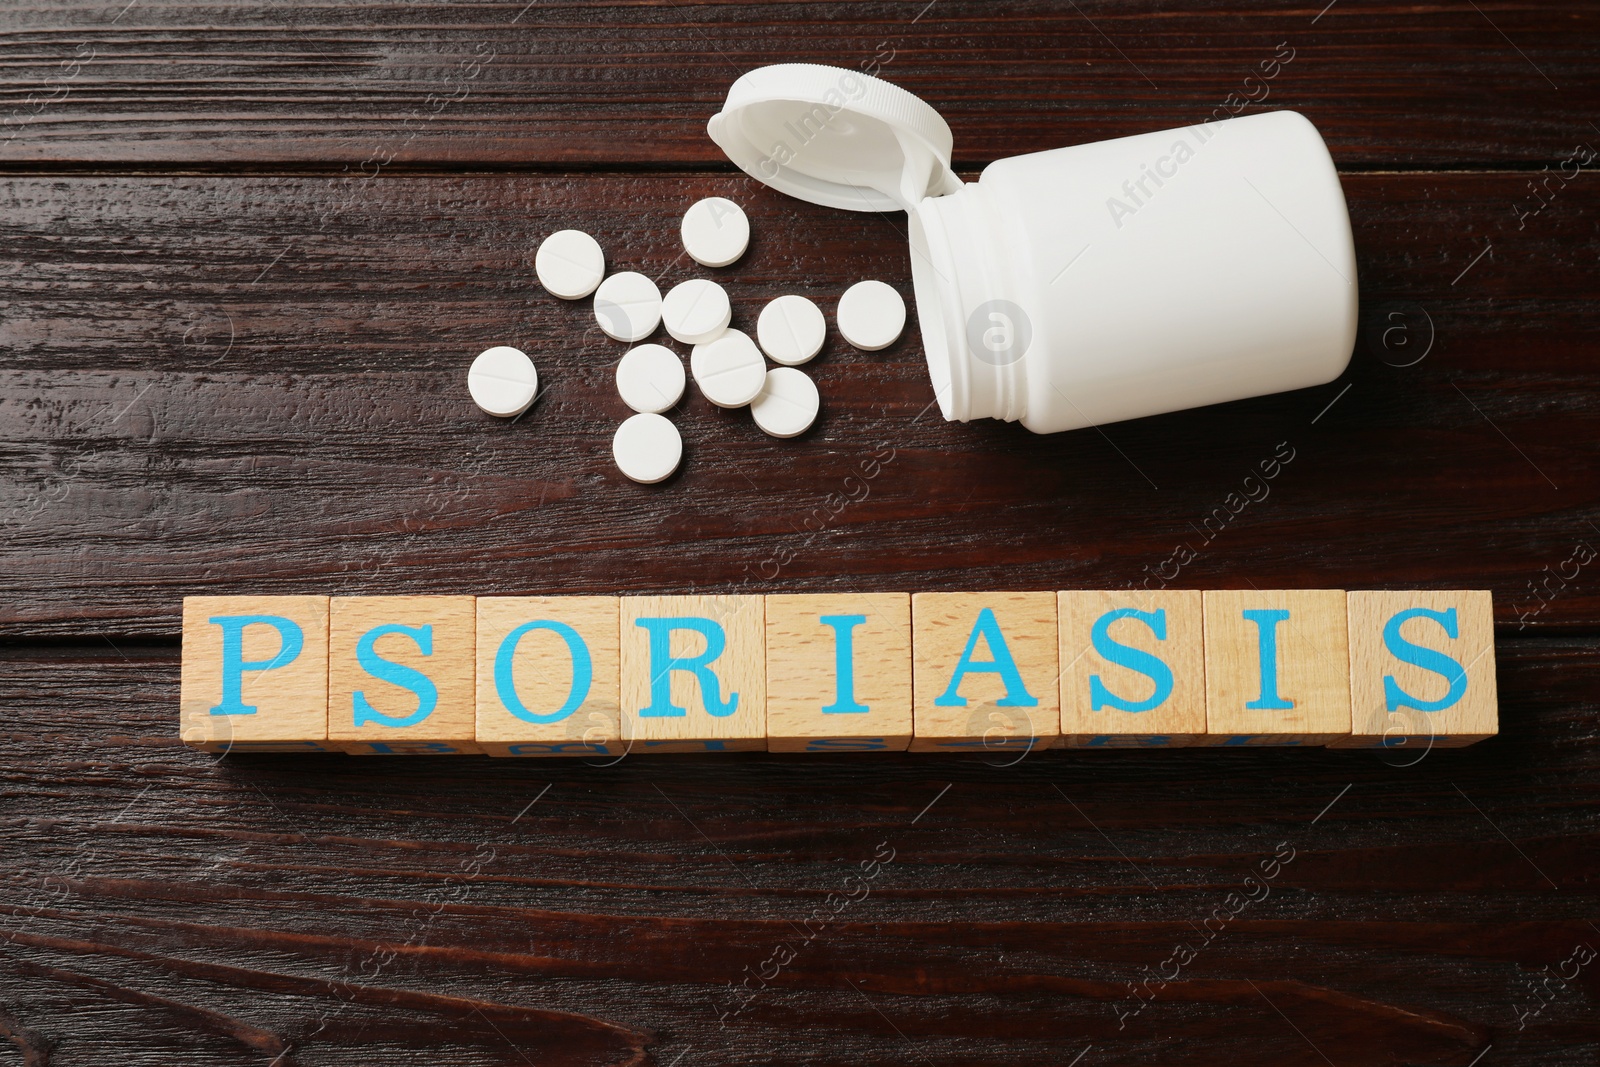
x=255, y=674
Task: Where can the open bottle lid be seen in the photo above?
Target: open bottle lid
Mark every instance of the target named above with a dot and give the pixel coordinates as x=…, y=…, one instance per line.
x=835, y=137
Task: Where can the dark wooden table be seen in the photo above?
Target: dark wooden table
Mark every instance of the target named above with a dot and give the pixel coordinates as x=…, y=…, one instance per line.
x=250, y=248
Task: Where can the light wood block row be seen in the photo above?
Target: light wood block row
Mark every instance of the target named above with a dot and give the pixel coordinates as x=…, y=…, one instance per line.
x=998, y=672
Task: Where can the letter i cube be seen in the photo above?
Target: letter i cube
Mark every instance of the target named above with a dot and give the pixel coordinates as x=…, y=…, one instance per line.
x=1277, y=667
x=838, y=672
x=255, y=674
x=1132, y=668
x=694, y=673
x=984, y=672
x=402, y=674
x=1422, y=669
x=548, y=676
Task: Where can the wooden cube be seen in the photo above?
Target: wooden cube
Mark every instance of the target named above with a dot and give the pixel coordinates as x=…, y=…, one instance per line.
x=838, y=672
x=402, y=675
x=548, y=676
x=1132, y=668
x=693, y=673
x=1277, y=667
x=1421, y=669
x=984, y=672
x=254, y=676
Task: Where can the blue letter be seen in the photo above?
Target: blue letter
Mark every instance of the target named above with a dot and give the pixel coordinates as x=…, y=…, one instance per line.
x=1132, y=658
x=395, y=674
x=1267, y=635
x=505, y=684
x=663, y=663
x=1017, y=696
x=290, y=640
x=844, y=664
x=1426, y=658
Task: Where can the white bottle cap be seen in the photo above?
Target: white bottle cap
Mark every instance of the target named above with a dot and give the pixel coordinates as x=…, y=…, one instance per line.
x=835, y=137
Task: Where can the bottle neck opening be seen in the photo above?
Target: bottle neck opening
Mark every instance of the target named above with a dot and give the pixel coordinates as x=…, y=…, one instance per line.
x=961, y=281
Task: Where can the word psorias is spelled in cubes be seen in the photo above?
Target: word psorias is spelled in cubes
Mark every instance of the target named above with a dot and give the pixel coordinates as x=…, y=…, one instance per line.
x=837, y=672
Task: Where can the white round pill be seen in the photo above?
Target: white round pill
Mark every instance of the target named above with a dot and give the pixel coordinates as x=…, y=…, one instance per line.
x=569, y=264
x=696, y=311
x=650, y=378
x=787, y=404
x=730, y=370
x=647, y=447
x=791, y=330
x=715, y=231
x=871, y=315
x=503, y=381
x=628, y=306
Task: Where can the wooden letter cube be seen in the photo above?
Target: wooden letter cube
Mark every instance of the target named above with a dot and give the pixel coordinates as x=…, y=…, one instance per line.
x=548, y=676
x=1277, y=667
x=838, y=672
x=984, y=672
x=694, y=673
x=1421, y=669
x=402, y=675
x=254, y=676
x=1132, y=668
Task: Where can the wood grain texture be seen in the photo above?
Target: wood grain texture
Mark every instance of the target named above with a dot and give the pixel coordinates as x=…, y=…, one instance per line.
x=194, y=367
x=249, y=252
x=357, y=907
x=372, y=85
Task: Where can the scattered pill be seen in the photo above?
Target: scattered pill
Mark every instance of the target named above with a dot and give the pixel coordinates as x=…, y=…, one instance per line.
x=787, y=404
x=650, y=378
x=503, y=381
x=569, y=264
x=791, y=330
x=628, y=306
x=696, y=311
x=871, y=315
x=715, y=231
x=730, y=370
x=647, y=447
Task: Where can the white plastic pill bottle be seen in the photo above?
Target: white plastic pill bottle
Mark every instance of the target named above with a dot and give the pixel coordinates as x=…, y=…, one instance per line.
x=1088, y=284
